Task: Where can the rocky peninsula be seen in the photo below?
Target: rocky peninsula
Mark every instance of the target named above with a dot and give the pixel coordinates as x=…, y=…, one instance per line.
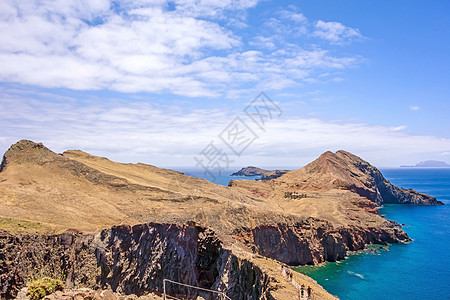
x=126, y=227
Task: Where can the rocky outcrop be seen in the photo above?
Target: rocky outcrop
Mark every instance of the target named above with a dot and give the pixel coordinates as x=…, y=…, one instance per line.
x=131, y=260
x=316, y=241
x=26, y=151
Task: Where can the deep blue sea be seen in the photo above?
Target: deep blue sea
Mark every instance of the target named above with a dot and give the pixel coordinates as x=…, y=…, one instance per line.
x=418, y=270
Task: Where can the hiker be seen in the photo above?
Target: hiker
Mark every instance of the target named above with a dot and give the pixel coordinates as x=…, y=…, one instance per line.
x=308, y=290
x=290, y=275
x=302, y=290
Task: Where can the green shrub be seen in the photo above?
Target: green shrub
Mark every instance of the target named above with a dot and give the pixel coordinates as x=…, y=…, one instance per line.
x=40, y=288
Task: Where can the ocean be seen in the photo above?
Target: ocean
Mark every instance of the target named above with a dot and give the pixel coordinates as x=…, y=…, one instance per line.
x=418, y=270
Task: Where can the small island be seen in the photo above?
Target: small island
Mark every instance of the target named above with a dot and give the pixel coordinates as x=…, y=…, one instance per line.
x=429, y=164
x=250, y=171
x=255, y=171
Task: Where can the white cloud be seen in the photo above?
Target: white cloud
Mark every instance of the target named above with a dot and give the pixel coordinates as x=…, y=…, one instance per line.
x=263, y=42
x=414, y=107
x=292, y=15
x=335, y=32
x=135, y=131
x=398, y=128
x=142, y=45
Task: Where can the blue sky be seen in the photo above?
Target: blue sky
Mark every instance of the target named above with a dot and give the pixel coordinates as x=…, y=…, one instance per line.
x=158, y=81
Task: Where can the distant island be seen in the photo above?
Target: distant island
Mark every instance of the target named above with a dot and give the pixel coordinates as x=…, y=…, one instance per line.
x=250, y=171
x=429, y=164
x=255, y=171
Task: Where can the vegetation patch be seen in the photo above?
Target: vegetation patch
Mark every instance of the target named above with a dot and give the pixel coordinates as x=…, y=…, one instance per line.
x=16, y=225
x=40, y=288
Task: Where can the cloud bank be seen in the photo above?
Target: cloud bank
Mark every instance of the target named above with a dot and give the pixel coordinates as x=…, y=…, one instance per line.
x=190, y=48
x=135, y=131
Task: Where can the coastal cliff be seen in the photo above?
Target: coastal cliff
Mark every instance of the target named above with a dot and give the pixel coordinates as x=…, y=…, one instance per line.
x=131, y=260
x=346, y=171
x=316, y=242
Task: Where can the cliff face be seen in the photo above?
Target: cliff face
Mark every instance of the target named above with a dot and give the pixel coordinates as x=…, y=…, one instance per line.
x=131, y=260
x=68, y=255
x=316, y=241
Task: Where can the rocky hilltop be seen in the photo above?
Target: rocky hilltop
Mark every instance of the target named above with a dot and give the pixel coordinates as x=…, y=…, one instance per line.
x=101, y=223
x=345, y=171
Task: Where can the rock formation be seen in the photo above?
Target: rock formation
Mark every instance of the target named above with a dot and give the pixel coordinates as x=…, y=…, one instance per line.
x=345, y=171
x=131, y=260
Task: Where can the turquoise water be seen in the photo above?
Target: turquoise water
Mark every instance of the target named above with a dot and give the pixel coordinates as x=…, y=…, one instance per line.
x=418, y=270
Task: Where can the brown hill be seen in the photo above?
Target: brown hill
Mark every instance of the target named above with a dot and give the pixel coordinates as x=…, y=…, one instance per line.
x=81, y=191
x=335, y=195
x=345, y=171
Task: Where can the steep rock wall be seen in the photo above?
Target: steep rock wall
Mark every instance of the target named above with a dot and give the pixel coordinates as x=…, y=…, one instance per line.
x=130, y=260
x=317, y=241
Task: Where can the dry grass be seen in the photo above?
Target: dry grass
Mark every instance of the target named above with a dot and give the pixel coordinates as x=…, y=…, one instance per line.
x=88, y=193
x=16, y=225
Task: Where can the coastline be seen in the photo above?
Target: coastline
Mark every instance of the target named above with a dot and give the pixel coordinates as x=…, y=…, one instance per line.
x=190, y=223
